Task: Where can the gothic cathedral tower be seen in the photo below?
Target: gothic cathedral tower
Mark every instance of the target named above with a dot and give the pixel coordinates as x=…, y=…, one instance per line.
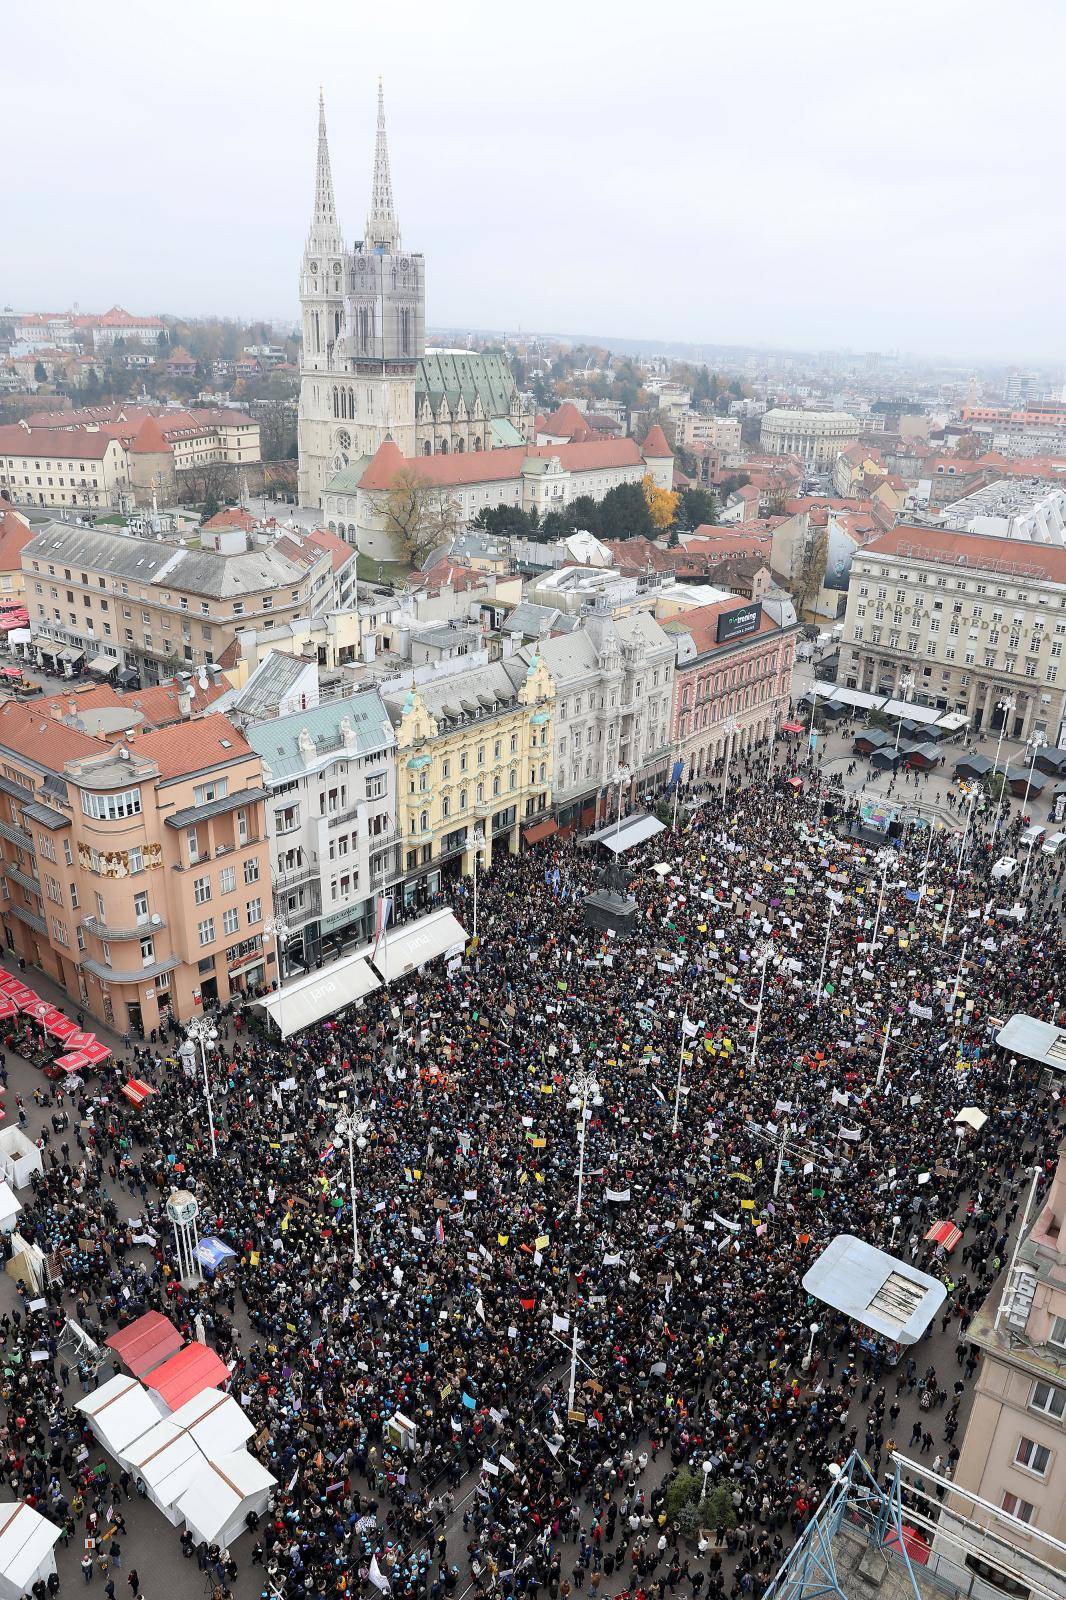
x=363, y=334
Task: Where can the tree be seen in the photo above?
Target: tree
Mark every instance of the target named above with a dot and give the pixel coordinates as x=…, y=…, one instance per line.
x=697, y=506
x=511, y=520
x=661, y=503
x=808, y=579
x=39, y=373
x=418, y=515
x=585, y=513
x=276, y=431
x=624, y=513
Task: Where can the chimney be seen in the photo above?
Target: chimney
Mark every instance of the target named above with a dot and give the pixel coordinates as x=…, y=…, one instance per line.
x=184, y=704
x=55, y=711
x=72, y=707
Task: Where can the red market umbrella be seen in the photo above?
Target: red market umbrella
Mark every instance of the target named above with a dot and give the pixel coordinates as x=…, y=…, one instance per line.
x=8, y=1008
x=137, y=1091
x=46, y=1014
x=944, y=1233
x=27, y=1000
x=79, y=1039
x=94, y=1051
x=73, y=1061
x=9, y=982
x=795, y=783
x=61, y=1027
x=792, y=727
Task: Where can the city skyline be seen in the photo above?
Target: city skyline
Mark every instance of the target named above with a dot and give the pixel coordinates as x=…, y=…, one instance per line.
x=573, y=182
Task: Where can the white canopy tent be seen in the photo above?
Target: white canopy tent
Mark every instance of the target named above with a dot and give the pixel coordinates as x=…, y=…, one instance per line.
x=1037, y=1041
x=634, y=831
x=20, y=1158
x=166, y=1459
x=319, y=994
x=882, y=1292
x=416, y=943
x=26, y=1548
x=223, y=1494
x=216, y=1422
x=119, y=1413
x=10, y=1206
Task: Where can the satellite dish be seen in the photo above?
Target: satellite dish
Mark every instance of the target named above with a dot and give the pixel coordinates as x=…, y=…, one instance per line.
x=156, y=919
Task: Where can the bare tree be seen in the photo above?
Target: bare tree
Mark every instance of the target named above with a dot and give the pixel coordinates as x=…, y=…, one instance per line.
x=807, y=580
x=419, y=515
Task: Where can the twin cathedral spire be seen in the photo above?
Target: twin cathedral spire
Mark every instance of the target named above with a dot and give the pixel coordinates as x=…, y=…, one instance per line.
x=382, y=227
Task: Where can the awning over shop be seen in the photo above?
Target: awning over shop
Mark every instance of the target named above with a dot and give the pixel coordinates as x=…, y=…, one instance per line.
x=634, y=831
x=882, y=1292
x=146, y=1343
x=1037, y=1041
x=103, y=664
x=540, y=830
x=320, y=994
x=411, y=946
x=945, y=1234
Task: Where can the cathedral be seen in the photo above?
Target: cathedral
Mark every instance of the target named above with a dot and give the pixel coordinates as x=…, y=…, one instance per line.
x=365, y=373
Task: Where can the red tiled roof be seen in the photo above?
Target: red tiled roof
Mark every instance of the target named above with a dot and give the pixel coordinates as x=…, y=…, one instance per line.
x=566, y=423
x=655, y=446
x=158, y=704
x=188, y=747
x=150, y=440
x=495, y=466
x=230, y=517
x=972, y=550
x=702, y=623
x=15, y=440
x=15, y=533
x=445, y=571
x=28, y=728
x=339, y=550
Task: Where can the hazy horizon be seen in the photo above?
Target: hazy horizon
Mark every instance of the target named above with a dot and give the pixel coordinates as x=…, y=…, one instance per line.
x=784, y=180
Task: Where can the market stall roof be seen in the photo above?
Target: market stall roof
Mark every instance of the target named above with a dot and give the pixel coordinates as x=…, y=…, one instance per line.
x=72, y=1061
x=167, y=1459
x=411, y=946
x=216, y=1423
x=26, y=1540
x=973, y=767
x=185, y=1375
x=212, y=1253
x=1037, y=1041
x=973, y=1118
x=146, y=1343
x=8, y=1008
x=884, y=1293
x=908, y=711
x=119, y=1412
x=945, y=1234
x=60, y=1027
x=220, y=1490
x=137, y=1091
x=320, y=994
x=634, y=831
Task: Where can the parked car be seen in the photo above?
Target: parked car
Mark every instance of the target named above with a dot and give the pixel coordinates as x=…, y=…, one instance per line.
x=1005, y=867
x=1053, y=844
x=1032, y=835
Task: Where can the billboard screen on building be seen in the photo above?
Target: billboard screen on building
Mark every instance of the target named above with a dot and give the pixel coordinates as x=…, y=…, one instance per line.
x=736, y=624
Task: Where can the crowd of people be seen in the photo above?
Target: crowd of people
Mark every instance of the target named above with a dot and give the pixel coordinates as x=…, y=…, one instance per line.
x=560, y=1366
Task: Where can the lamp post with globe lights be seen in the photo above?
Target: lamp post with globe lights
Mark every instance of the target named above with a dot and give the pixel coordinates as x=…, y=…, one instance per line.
x=885, y=859
x=585, y=1089
x=764, y=953
x=279, y=930
x=1006, y=707
x=202, y=1032
x=621, y=776
x=906, y=683
x=477, y=840
x=354, y=1127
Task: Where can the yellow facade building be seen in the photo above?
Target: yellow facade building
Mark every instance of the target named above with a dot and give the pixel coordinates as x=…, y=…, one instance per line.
x=474, y=756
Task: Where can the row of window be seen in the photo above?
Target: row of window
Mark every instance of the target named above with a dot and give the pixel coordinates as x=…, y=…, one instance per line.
x=231, y=921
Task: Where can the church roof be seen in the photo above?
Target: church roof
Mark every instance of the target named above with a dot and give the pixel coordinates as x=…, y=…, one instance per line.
x=467, y=375
x=497, y=466
x=388, y=461
x=655, y=446
x=348, y=479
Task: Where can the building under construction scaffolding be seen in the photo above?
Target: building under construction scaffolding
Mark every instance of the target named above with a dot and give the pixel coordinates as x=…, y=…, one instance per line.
x=895, y=1539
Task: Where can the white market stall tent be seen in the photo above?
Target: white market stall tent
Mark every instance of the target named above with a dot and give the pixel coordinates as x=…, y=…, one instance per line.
x=119, y=1413
x=223, y=1495
x=10, y=1206
x=20, y=1158
x=215, y=1421
x=27, y=1543
x=166, y=1460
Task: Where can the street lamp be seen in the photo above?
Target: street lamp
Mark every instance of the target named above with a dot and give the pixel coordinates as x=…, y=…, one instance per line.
x=1036, y=742
x=885, y=858
x=689, y=1030
x=732, y=728
x=816, y=1328
x=1006, y=707
x=354, y=1127
x=906, y=683
x=202, y=1031
x=278, y=929
x=477, y=839
x=621, y=776
x=825, y=952
x=764, y=952
x=586, y=1091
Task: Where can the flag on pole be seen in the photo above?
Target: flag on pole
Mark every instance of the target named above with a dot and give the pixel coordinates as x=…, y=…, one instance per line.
x=689, y=1029
x=440, y=1230
x=382, y=916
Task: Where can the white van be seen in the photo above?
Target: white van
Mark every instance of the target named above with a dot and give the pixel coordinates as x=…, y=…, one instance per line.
x=1053, y=844
x=1005, y=867
x=1032, y=835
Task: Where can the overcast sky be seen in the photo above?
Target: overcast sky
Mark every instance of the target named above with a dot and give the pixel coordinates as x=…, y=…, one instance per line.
x=800, y=172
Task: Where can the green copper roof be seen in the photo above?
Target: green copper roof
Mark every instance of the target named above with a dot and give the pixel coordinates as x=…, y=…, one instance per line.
x=466, y=375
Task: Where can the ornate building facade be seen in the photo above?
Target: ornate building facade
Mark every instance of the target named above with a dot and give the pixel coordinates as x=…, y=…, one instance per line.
x=364, y=371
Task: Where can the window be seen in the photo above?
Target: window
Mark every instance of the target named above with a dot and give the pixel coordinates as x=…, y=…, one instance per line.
x=1016, y=1507
x=1058, y=1333
x=111, y=807
x=375, y=787
x=201, y=890
x=136, y=859
x=230, y=920
x=68, y=854
x=206, y=931
x=204, y=793
x=251, y=870
x=287, y=820
x=140, y=905
x=1032, y=1456
x=1045, y=1397
x=227, y=880
x=147, y=950
x=255, y=911
x=193, y=844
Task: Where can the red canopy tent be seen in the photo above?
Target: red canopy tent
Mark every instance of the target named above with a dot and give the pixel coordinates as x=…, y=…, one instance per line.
x=795, y=783
x=793, y=727
x=188, y=1374
x=9, y=982
x=944, y=1233
x=46, y=1014
x=79, y=1039
x=94, y=1051
x=72, y=1061
x=26, y=1000
x=8, y=1008
x=137, y=1091
x=146, y=1343
x=61, y=1027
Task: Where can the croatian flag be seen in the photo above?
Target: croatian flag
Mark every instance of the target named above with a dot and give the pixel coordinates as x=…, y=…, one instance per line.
x=382, y=917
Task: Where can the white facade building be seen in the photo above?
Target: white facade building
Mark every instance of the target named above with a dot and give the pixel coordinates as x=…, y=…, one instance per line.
x=816, y=437
x=331, y=819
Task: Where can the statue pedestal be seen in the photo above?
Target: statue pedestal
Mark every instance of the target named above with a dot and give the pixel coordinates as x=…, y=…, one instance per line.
x=611, y=912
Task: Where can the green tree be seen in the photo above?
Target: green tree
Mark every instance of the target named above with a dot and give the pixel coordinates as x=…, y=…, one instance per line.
x=39, y=373
x=697, y=507
x=624, y=513
x=584, y=512
x=511, y=520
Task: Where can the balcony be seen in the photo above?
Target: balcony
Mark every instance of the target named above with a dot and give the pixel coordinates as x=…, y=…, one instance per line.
x=292, y=880
x=16, y=835
x=30, y=918
x=108, y=974
x=27, y=882
x=336, y=819
x=104, y=930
